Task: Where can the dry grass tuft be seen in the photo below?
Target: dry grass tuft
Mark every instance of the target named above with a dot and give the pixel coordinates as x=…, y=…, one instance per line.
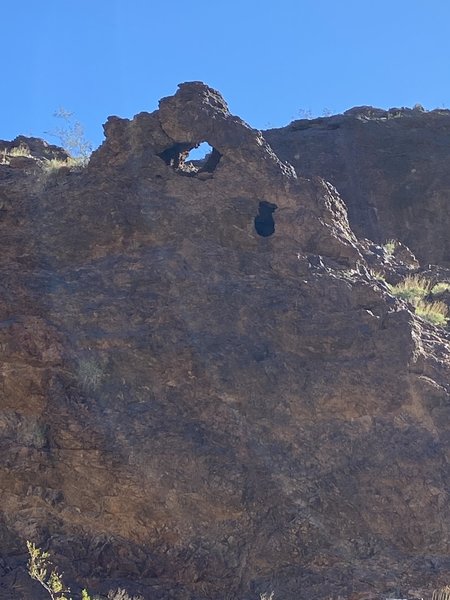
x=55, y=164
x=20, y=150
x=434, y=312
x=441, y=286
x=414, y=289
x=390, y=247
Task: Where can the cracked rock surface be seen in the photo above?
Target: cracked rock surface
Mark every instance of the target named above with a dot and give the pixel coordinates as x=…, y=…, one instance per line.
x=191, y=408
x=391, y=167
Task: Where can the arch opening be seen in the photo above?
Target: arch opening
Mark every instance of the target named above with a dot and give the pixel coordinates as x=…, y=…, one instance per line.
x=191, y=160
x=200, y=152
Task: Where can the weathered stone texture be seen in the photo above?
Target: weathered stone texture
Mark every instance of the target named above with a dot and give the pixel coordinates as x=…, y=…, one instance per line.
x=192, y=410
x=390, y=166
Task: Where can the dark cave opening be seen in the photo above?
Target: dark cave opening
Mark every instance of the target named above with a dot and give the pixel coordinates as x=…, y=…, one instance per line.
x=191, y=160
x=264, y=223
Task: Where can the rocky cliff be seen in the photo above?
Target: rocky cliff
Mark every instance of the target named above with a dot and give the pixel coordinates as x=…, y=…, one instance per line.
x=205, y=391
x=390, y=166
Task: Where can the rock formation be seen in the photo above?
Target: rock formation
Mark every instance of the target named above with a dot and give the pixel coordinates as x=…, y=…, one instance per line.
x=205, y=391
x=390, y=166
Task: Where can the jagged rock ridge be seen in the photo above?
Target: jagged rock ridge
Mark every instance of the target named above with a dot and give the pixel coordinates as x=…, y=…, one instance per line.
x=205, y=390
x=390, y=166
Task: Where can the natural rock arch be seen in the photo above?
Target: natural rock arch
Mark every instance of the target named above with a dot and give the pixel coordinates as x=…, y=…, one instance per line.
x=177, y=157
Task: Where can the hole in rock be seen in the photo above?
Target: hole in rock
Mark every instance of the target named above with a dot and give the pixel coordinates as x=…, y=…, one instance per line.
x=200, y=153
x=264, y=223
x=191, y=160
x=174, y=155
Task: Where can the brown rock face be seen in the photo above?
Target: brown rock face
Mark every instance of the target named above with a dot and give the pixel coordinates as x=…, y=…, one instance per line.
x=204, y=391
x=391, y=168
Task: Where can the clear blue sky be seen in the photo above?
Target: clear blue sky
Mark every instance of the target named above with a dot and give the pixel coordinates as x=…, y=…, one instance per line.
x=269, y=58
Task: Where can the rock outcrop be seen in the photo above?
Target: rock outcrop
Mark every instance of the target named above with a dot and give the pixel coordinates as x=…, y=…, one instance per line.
x=205, y=391
x=390, y=166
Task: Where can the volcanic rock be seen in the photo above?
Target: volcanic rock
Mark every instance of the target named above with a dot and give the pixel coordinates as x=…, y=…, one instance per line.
x=390, y=166
x=205, y=390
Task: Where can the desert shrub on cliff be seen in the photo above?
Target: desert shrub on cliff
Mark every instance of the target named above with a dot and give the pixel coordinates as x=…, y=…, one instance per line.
x=390, y=247
x=441, y=287
x=441, y=593
x=71, y=137
x=55, y=164
x=415, y=289
x=121, y=594
x=16, y=151
x=20, y=150
x=41, y=569
x=434, y=312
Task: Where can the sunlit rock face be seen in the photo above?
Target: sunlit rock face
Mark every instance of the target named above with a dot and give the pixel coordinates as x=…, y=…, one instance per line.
x=390, y=166
x=205, y=390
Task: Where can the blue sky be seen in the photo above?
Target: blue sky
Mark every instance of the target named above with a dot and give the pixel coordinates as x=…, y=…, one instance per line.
x=270, y=59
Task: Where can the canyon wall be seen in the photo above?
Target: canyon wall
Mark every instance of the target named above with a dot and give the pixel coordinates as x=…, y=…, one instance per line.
x=390, y=166
x=205, y=390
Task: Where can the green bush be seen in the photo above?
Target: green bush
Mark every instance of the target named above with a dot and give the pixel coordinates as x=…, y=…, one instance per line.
x=41, y=569
x=20, y=150
x=434, y=312
x=54, y=164
x=414, y=289
x=390, y=247
x=440, y=287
